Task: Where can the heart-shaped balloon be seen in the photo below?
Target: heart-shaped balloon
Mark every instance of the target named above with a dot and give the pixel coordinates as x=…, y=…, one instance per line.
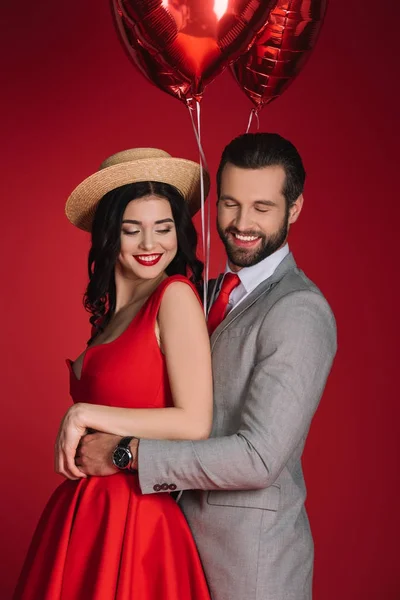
x=151, y=65
x=280, y=51
x=182, y=45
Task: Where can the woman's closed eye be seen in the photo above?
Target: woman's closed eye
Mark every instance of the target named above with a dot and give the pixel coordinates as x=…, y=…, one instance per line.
x=127, y=232
x=136, y=231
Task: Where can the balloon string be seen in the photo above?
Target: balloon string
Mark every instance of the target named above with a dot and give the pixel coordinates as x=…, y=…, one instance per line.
x=205, y=227
x=196, y=133
x=190, y=107
x=253, y=113
x=208, y=223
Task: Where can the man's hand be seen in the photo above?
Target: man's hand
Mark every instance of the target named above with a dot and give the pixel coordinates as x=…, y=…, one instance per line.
x=94, y=454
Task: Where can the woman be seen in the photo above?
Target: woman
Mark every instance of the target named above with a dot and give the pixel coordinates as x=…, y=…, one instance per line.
x=146, y=372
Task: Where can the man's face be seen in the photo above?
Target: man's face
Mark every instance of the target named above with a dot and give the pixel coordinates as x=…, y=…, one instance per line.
x=253, y=219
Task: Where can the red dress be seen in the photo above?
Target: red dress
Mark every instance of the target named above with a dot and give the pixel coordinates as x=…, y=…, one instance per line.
x=99, y=538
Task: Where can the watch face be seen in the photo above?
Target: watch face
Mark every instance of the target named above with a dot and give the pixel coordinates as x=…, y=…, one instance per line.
x=121, y=457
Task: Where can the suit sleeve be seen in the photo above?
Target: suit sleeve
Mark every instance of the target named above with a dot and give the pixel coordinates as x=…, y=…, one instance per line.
x=296, y=345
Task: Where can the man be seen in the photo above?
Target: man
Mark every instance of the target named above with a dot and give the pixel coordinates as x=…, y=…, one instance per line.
x=273, y=339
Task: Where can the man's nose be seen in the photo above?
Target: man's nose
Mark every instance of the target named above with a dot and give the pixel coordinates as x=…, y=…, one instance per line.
x=242, y=220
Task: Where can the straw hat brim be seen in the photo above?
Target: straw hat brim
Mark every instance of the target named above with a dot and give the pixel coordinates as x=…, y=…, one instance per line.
x=183, y=174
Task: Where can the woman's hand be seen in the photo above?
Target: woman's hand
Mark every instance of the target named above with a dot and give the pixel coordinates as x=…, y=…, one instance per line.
x=71, y=430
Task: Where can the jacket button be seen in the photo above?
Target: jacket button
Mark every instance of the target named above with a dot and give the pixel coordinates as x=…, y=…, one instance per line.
x=172, y=486
x=157, y=487
x=164, y=486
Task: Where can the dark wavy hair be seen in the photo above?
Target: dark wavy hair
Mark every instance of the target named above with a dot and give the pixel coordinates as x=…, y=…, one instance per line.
x=100, y=295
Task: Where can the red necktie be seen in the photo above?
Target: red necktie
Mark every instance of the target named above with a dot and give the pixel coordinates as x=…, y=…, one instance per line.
x=218, y=309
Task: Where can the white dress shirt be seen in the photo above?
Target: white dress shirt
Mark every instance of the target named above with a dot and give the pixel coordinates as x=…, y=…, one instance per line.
x=251, y=277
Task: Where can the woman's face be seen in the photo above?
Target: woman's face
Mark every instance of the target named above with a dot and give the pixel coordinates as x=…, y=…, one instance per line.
x=148, y=238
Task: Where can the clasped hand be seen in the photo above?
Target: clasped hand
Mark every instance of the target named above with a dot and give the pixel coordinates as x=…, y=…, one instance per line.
x=79, y=453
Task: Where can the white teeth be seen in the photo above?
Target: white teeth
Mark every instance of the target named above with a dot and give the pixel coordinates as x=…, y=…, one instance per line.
x=148, y=257
x=246, y=238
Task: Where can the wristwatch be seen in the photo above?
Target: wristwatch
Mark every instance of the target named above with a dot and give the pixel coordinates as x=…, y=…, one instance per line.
x=122, y=456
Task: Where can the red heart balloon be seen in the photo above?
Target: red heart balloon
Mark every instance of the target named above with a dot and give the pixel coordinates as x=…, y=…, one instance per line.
x=182, y=45
x=280, y=51
x=151, y=65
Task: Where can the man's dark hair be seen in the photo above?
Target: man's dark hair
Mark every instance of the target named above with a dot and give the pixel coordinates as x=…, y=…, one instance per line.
x=258, y=150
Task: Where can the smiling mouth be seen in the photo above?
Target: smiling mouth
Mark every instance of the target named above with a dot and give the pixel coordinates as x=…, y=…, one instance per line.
x=245, y=241
x=147, y=260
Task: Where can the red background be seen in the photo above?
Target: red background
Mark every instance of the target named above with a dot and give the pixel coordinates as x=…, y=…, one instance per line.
x=70, y=98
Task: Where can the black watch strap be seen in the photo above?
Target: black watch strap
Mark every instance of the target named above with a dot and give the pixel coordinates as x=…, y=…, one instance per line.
x=124, y=443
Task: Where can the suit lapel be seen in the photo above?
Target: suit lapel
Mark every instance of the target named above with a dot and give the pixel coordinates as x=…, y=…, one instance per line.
x=213, y=287
x=264, y=287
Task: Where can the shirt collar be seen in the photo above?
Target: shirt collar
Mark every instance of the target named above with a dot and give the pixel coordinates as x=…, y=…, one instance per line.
x=251, y=277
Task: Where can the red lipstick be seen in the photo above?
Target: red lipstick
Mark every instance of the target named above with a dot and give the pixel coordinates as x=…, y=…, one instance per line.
x=148, y=260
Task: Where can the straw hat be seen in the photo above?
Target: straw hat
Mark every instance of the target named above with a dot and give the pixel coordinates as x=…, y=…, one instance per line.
x=130, y=166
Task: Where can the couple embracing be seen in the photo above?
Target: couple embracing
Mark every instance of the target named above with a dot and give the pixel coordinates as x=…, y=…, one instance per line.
x=182, y=450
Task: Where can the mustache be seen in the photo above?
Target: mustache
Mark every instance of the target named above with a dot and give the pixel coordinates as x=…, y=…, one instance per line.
x=234, y=230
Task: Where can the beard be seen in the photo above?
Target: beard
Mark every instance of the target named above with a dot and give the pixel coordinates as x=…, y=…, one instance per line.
x=245, y=257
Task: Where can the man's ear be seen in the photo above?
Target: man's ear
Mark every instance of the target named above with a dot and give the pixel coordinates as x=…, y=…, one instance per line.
x=295, y=209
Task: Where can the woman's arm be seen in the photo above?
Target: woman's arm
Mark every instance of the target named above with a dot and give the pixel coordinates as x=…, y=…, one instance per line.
x=186, y=346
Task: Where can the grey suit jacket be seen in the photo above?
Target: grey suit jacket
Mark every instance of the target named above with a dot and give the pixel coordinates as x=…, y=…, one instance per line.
x=245, y=500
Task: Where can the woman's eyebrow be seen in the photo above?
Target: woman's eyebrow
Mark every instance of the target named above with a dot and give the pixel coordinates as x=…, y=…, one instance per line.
x=133, y=222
